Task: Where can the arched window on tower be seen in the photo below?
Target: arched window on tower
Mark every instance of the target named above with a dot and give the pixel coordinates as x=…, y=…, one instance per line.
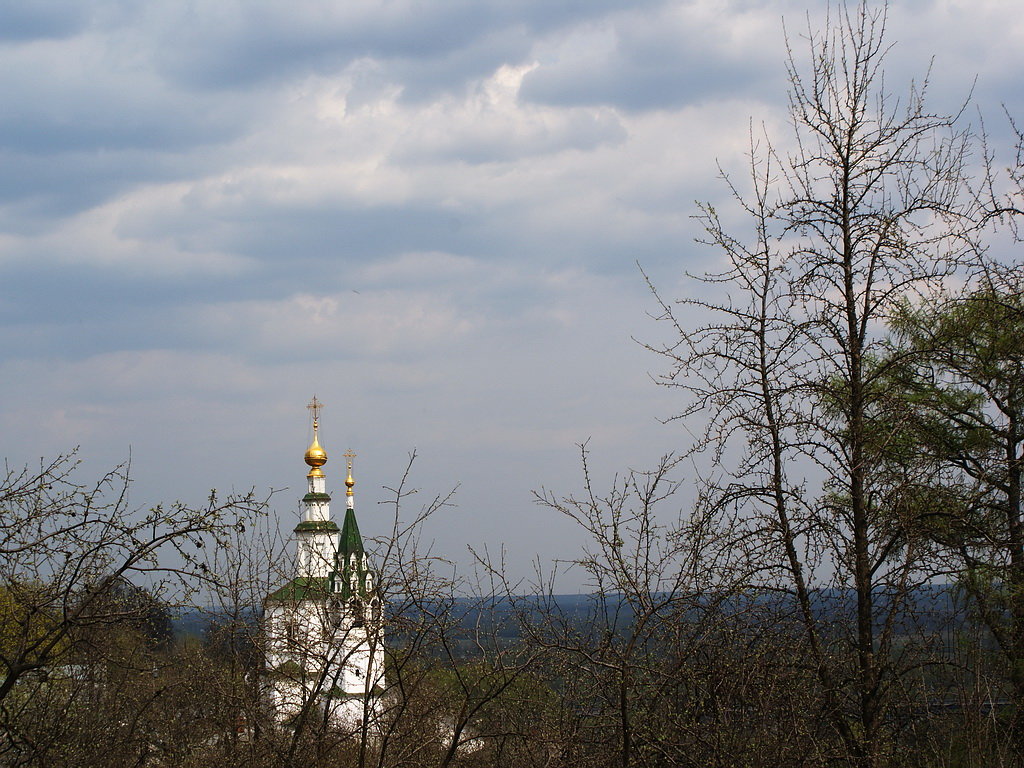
x=334, y=613
x=291, y=630
x=355, y=607
x=371, y=613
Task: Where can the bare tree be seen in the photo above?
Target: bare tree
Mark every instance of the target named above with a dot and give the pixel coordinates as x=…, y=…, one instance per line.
x=862, y=214
x=634, y=658
x=1001, y=193
x=70, y=613
x=452, y=676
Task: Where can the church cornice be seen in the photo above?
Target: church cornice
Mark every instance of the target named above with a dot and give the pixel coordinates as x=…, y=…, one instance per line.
x=313, y=496
x=317, y=526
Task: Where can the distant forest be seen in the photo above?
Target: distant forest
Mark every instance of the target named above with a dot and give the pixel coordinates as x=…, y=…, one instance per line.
x=939, y=610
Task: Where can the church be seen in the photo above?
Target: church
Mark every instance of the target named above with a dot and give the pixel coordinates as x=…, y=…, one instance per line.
x=323, y=629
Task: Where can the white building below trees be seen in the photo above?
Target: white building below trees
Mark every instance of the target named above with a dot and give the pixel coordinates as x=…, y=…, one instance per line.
x=323, y=629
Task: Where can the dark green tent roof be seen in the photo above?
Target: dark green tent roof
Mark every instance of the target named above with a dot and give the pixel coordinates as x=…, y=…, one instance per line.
x=351, y=541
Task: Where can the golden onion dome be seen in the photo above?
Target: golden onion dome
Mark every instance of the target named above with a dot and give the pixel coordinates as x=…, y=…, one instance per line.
x=316, y=456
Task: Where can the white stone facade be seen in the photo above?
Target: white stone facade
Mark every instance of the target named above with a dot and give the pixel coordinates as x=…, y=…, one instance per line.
x=317, y=652
x=323, y=630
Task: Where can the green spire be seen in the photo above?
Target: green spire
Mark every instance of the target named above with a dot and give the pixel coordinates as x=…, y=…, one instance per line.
x=351, y=577
x=351, y=542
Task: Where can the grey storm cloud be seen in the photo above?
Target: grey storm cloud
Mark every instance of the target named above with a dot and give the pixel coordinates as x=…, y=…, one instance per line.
x=36, y=19
x=639, y=65
x=634, y=78
x=429, y=213
x=245, y=43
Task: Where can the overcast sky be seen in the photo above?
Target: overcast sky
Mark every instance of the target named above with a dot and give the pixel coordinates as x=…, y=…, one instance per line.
x=427, y=213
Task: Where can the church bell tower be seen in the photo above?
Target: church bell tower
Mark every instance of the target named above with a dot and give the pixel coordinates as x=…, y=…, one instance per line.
x=323, y=629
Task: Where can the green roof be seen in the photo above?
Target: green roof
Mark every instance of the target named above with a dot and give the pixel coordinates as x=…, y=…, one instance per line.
x=351, y=541
x=326, y=526
x=340, y=583
x=316, y=497
x=302, y=588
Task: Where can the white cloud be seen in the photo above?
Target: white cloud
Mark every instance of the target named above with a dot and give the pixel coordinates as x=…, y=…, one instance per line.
x=338, y=326
x=428, y=213
x=102, y=238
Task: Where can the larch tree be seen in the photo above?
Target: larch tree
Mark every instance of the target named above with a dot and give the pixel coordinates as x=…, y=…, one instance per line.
x=964, y=394
x=859, y=212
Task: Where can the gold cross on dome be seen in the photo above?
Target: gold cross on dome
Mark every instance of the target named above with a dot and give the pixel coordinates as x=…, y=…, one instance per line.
x=349, y=482
x=314, y=408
